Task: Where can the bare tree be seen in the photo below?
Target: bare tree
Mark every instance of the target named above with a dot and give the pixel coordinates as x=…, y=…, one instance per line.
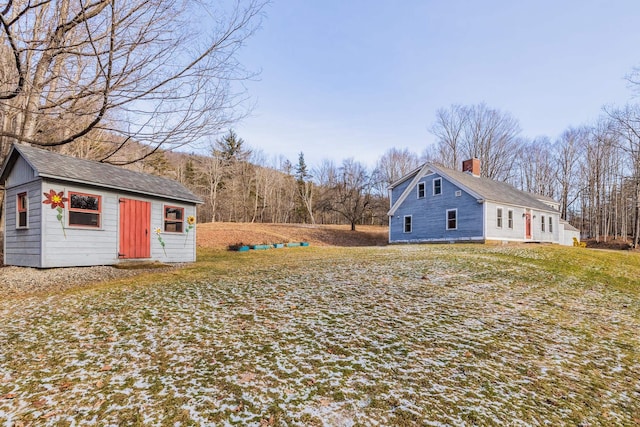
x=449, y=128
x=351, y=192
x=537, y=170
x=477, y=131
x=626, y=125
x=158, y=72
x=567, y=154
x=393, y=165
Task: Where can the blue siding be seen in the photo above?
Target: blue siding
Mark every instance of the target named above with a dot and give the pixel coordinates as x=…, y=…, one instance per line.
x=22, y=245
x=428, y=215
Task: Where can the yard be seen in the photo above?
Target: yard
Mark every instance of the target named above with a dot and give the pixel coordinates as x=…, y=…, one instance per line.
x=400, y=335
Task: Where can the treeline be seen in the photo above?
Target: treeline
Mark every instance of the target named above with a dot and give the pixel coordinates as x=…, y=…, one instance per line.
x=592, y=170
x=238, y=185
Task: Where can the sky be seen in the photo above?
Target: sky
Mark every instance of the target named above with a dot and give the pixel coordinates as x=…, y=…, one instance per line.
x=352, y=78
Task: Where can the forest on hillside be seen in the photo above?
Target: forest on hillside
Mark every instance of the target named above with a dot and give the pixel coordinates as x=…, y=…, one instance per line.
x=130, y=83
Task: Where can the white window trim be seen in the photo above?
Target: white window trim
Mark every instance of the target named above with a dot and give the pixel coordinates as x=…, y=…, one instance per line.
x=404, y=224
x=500, y=223
x=433, y=186
x=510, y=220
x=424, y=190
x=550, y=224
x=447, y=219
x=542, y=225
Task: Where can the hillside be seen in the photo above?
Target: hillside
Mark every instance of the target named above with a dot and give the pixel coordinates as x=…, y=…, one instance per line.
x=220, y=235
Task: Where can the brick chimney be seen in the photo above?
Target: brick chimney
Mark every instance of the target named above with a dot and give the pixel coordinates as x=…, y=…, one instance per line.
x=472, y=166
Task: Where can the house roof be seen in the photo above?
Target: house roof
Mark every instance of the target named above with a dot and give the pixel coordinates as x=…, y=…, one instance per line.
x=567, y=226
x=482, y=188
x=48, y=164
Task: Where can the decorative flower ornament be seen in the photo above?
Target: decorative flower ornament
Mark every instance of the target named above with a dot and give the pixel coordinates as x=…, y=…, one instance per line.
x=191, y=223
x=158, y=230
x=57, y=201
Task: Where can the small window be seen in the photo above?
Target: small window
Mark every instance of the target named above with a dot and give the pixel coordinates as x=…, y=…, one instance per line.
x=458, y=193
x=452, y=219
x=21, y=203
x=407, y=224
x=542, y=222
x=437, y=186
x=510, y=218
x=173, y=219
x=499, y=217
x=421, y=190
x=84, y=210
x=550, y=225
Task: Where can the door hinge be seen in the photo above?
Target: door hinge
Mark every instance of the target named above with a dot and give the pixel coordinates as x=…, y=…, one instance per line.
x=121, y=255
x=121, y=200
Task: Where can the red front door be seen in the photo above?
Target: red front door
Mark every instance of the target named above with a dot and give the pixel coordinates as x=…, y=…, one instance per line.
x=135, y=232
x=527, y=225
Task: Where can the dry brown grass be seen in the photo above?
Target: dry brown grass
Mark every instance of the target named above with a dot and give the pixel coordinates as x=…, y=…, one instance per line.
x=220, y=235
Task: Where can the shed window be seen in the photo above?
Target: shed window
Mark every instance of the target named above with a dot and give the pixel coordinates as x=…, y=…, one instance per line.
x=542, y=222
x=437, y=186
x=452, y=219
x=173, y=219
x=421, y=191
x=510, y=218
x=499, y=217
x=407, y=224
x=21, y=203
x=84, y=209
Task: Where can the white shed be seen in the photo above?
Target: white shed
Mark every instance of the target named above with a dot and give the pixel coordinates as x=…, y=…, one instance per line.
x=61, y=211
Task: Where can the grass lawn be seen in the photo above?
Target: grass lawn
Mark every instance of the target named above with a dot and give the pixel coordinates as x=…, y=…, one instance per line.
x=400, y=335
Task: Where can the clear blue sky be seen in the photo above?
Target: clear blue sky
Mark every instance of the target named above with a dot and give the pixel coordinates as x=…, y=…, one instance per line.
x=353, y=78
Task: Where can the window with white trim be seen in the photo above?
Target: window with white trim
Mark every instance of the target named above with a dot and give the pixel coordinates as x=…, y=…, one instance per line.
x=173, y=219
x=84, y=210
x=510, y=218
x=542, y=223
x=22, y=206
x=499, y=217
x=452, y=219
x=407, y=224
x=421, y=190
x=437, y=186
x=550, y=225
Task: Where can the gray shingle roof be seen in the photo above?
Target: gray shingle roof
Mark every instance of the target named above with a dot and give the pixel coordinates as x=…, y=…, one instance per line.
x=494, y=191
x=483, y=188
x=48, y=164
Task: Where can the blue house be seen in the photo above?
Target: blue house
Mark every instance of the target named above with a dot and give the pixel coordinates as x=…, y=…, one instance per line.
x=436, y=204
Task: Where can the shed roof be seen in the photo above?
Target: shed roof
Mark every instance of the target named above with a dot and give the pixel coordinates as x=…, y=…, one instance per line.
x=483, y=188
x=48, y=164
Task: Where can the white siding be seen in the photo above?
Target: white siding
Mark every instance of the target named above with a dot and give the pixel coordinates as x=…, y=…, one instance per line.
x=179, y=247
x=518, y=231
x=84, y=246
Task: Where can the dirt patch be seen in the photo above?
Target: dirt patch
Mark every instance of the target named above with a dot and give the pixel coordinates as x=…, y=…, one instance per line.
x=220, y=235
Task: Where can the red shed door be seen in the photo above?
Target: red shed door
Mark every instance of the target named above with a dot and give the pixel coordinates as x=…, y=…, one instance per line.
x=135, y=232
